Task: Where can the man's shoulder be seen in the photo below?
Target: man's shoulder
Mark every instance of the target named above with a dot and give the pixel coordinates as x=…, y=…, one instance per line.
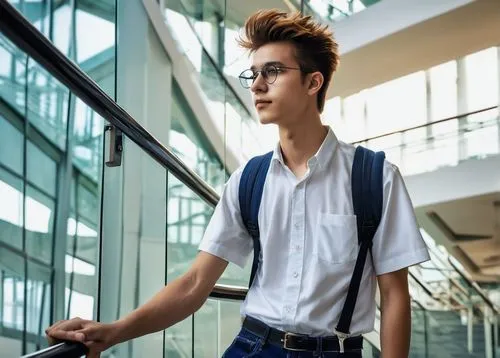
x=346, y=151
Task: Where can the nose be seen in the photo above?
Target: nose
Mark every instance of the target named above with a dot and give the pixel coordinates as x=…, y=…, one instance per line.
x=259, y=84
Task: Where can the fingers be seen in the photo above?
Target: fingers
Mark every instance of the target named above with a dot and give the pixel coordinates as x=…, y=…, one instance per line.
x=63, y=335
x=65, y=331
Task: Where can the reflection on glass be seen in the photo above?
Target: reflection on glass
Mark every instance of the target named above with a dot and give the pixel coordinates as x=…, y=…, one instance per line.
x=11, y=289
x=47, y=104
x=39, y=225
x=206, y=330
x=41, y=170
x=11, y=147
x=230, y=115
x=191, y=145
x=38, y=302
x=11, y=210
x=88, y=140
x=82, y=248
x=12, y=75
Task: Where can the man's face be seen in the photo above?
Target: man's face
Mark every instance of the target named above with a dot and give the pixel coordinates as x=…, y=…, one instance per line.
x=283, y=101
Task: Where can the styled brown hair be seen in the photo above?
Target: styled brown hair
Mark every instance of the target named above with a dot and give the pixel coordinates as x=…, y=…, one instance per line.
x=316, y=49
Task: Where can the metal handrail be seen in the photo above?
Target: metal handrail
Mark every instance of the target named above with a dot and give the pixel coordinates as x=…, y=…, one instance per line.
x=26, y=37
x=425, y=125
x=474, y=286
x=61, y=350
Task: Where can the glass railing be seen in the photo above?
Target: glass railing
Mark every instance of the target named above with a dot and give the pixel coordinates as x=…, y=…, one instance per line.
x=446, y=142
x=448, y=305
x=329, y=11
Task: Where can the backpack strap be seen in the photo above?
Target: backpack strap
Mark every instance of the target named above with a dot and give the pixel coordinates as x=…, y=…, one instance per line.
x=367, y=198
x=250, y=195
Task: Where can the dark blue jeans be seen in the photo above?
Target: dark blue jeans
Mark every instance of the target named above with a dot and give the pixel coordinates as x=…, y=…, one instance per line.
x=248, y=345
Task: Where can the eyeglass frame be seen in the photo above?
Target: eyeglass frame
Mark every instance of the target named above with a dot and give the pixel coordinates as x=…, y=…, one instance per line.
x=256, y=73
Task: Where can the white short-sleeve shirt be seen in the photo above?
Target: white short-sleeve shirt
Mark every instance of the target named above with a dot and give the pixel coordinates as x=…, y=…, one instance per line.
x=309, y=242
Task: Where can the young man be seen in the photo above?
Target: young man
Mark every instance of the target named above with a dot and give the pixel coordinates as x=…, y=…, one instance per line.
x=308, y=230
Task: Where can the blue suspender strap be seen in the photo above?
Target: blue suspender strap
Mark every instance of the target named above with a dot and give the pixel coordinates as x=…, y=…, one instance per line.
x=250, y=195
x=367, y=197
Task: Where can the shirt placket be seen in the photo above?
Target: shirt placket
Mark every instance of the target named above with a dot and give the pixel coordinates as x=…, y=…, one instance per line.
x=295, y=255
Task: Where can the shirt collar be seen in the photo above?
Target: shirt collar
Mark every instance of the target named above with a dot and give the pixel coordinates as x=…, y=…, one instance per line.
x=322, y=156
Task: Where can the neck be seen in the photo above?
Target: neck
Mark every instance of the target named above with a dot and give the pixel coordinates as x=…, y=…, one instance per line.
x=301, y=140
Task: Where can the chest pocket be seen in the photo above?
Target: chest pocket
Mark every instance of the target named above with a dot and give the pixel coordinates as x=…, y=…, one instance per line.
x=336, y=239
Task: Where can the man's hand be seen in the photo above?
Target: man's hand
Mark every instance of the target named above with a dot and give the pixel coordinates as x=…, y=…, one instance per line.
x=96, y=336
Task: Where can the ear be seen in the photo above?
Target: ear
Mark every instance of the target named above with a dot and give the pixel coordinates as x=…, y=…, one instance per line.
x=316, y=81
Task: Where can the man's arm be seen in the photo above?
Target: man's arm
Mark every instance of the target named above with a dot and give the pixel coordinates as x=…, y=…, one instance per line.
x=396, y=314
x=176, y=301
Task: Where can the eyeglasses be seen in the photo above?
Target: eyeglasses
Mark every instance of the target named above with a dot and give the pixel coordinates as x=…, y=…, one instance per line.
x=269, y=73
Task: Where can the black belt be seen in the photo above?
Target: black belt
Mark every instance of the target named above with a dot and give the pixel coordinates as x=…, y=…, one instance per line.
x=299, y=342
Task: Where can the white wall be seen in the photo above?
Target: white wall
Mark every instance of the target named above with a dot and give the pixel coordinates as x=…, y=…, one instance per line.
x=470, y=178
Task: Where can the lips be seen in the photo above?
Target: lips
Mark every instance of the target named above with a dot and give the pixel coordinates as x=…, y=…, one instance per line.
x=260, y=102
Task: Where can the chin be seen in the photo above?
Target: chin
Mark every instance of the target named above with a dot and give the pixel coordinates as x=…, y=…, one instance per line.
x=268, y=119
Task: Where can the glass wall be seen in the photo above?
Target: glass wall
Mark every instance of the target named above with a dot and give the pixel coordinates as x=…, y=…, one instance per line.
x=51, y=157
x=427, y=119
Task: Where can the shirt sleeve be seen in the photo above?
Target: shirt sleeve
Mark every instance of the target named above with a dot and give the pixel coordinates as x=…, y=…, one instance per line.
x=226, y=236
x=397, y=243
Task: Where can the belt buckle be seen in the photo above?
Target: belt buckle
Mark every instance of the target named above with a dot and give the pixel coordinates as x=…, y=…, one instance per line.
x=285, y=342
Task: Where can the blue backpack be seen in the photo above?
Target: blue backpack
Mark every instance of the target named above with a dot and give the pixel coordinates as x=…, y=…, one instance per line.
x=367, y=198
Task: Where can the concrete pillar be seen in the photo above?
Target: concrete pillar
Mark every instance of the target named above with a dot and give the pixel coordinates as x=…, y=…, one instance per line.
x=429, y=108
x=135, y=194
x=498, y=110
x=488, y=331
x=470, y=329
x=462, y=107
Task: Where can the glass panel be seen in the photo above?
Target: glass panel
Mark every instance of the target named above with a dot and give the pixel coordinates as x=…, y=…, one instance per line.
x=333, y=10
x=39, y=224
x=88, y=140
x=47, y=104
x=191, y=145
x=11, y=146
x=42, y=170
x=188, y=216
x=443, y=144
x=36, y=11
x=229, y=107
x=95, y=50
x=12, y=75
x=206, y=324
x=418, y=347
x=38, y=304
x=11, y=210
x=12, y=289
x=229, y=323
x=62, y=35
x=101, y=39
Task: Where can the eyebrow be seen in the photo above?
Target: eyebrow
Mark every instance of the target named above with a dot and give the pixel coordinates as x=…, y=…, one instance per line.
x=270, y=63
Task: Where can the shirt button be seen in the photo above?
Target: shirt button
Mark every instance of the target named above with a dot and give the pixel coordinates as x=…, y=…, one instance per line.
x=295, y=274
x=297, y=225
x=288, y=309
x=297, y=247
